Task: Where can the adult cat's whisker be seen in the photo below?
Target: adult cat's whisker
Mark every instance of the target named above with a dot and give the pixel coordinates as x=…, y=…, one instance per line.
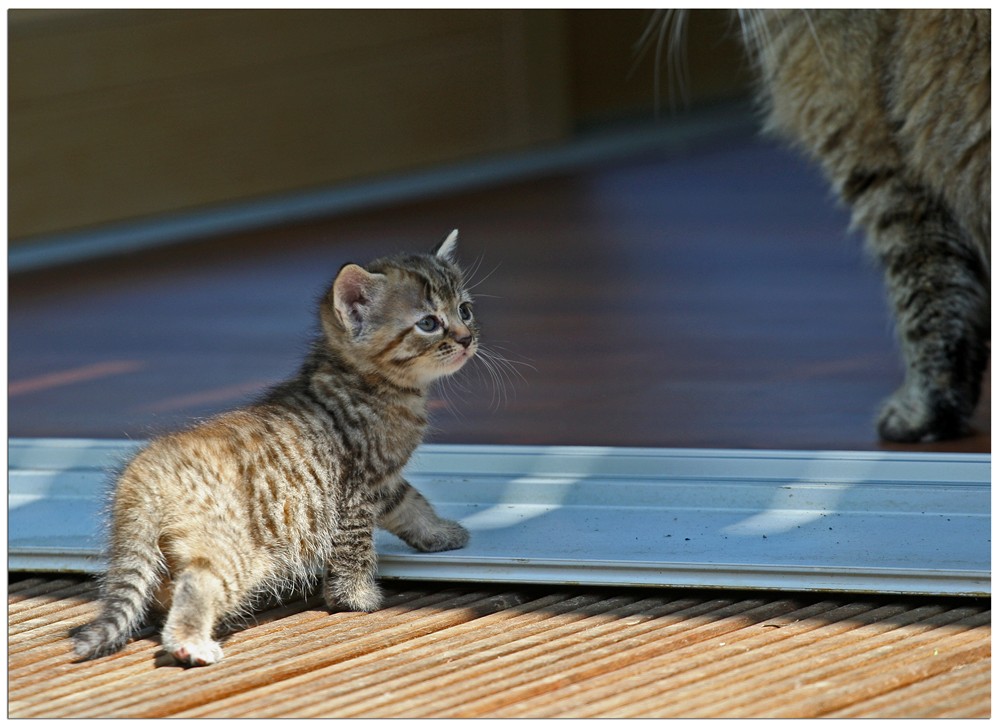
x=664, y=23
x=815, y=35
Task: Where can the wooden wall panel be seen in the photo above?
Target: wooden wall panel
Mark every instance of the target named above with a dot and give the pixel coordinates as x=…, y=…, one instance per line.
x=121, y=114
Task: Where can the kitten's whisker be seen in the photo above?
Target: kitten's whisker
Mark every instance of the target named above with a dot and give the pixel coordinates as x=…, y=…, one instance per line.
x=499, y=389
x=459, y=381
x=486, y=277
x=502, y=370
x=506, y=369
x=494, y=347
x=471, y=272
x=445, y=393
x=499, y=383
x=507, y=363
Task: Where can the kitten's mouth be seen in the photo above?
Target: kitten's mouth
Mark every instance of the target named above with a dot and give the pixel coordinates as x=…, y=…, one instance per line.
x=458, y=360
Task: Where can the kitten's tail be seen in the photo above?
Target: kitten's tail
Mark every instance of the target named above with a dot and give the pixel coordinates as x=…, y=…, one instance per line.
x=134, y=572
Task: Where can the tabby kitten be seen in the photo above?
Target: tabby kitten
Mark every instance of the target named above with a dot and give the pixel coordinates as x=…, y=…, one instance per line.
x=895, y=106
x=260, y=499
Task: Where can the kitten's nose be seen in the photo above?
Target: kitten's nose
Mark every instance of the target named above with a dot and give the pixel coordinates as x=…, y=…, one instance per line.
x=462, y=335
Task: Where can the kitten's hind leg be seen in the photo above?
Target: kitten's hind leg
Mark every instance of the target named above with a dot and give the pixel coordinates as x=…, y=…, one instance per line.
x=407, y=515
x=199, y=600
x=134, y=573
x=938, y=285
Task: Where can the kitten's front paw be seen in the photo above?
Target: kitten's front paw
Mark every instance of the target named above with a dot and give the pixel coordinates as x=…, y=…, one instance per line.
x=342, y=595
x=913, y=416
x=449, y=535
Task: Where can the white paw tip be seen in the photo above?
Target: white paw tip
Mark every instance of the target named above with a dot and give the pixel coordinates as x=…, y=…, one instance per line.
x=198, y=654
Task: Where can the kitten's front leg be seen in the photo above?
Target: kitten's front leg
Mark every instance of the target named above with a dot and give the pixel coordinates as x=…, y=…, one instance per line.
x=405, y=513
x=349, y=578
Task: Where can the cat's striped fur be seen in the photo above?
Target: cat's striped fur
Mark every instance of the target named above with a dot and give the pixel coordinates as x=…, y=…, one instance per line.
x=895, y=106
x=266, y=497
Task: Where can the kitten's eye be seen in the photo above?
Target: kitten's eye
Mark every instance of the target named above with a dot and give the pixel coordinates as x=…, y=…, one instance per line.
x=465, y=311
x=428, y=324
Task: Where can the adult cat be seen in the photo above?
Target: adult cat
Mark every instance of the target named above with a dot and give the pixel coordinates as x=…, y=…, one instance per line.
x=895, y=107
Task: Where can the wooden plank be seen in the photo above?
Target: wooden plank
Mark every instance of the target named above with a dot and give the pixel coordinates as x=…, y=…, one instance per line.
x=841, y=664
x=534, y=653
x=963, y=688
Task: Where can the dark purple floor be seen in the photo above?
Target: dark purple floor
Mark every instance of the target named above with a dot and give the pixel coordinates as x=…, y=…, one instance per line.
x=711, y=299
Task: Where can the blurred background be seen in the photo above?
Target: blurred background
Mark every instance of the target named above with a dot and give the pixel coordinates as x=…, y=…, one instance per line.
x=182, y=185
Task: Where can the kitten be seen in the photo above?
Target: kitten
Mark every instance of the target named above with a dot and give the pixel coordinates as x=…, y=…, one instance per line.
x=895, y=106
x=259, y=499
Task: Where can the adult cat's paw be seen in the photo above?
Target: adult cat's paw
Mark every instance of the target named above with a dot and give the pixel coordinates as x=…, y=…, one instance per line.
x=345, y=595
x=913, y=416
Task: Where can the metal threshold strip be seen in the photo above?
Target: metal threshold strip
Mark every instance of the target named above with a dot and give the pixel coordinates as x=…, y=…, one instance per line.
x=884, y=522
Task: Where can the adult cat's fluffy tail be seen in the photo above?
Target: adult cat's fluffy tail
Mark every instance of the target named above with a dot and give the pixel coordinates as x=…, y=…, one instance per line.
x=128, y=587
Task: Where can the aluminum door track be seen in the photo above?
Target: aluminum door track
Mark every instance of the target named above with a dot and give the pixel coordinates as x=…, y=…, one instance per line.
x=885, y=522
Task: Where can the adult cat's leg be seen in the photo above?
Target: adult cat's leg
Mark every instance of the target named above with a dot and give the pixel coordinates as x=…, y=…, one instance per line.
x=405, y=513
x=938, y=286
x=349, y=578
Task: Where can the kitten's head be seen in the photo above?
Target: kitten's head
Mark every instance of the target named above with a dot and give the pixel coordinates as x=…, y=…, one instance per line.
x=408, y=318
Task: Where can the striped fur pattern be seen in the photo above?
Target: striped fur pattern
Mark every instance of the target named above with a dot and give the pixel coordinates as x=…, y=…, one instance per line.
x=895, y=106
x=265, y=498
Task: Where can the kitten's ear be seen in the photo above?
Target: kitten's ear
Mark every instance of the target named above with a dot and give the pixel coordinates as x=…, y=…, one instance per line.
x=353, y=291
x=446, y=248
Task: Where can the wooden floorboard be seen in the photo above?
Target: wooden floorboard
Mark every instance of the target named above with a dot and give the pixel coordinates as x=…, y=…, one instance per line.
x=493, y=651
x=705, y=299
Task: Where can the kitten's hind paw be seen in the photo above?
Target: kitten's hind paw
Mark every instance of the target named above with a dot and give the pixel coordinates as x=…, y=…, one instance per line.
x=96, y=639
x=196, y=653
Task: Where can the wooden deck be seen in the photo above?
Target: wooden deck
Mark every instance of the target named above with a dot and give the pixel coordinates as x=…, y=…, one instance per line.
x=708, y=299
x=446, y=651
